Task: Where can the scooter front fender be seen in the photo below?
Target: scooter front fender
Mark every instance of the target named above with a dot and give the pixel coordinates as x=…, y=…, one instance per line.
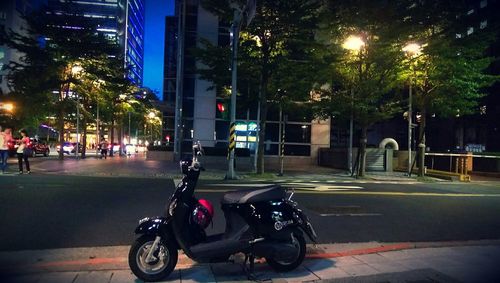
x=154, y=226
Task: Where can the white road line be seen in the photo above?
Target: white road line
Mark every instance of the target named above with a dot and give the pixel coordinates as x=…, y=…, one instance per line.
x=351, y=214
x=237, y=185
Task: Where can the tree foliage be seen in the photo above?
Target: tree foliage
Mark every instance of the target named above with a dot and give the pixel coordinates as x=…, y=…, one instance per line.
x=275, y=53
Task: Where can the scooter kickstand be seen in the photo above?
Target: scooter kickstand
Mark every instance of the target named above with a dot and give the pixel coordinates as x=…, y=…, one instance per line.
x=249, y=269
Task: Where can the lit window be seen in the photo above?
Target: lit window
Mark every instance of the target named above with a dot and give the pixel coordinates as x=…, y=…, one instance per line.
x=483, y=24
x=458, y=35
x=470, y=30
x=483, y=3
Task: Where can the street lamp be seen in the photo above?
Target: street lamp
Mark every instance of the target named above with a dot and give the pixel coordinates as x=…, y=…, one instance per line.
x=151, y=116
x=412, y=50
x=7, y=107
x=75, y=71
x=353, y=43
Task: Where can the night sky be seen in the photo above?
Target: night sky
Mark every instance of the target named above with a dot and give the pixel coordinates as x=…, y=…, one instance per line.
x=154, y=42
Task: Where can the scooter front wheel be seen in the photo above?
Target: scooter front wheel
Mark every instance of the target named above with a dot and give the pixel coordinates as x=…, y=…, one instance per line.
x=284, y=266
x=161, y=263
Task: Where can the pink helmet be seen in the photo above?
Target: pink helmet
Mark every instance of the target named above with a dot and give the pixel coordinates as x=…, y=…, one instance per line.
x=203, y=213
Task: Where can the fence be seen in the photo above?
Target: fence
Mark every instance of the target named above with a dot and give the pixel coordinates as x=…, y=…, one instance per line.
x=462, y=162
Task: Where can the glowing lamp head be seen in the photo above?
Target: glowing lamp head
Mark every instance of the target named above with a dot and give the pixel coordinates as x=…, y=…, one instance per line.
x=354, y=43
x=413, y=49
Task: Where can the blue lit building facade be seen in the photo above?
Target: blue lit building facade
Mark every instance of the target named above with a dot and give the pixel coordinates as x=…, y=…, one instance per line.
x=11, y=18
x=119, y=20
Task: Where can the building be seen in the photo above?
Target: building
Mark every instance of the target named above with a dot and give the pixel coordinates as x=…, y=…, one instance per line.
x=201, y=109
x=11, y=13
x=120, y=20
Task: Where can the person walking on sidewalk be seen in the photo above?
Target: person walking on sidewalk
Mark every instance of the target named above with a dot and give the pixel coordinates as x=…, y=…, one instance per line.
x=104, y=148
x=5, y=138
x=23, y=152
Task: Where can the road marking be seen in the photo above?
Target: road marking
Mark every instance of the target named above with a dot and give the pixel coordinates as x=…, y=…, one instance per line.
x=330, y=188
x=333, y=192
x=350, y=214
x=237, y=185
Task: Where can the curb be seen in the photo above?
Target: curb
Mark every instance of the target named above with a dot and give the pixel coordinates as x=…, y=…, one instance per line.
x=94, y=263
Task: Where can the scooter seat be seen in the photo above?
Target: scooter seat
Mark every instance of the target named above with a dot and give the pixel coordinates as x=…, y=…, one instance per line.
x=273, y=192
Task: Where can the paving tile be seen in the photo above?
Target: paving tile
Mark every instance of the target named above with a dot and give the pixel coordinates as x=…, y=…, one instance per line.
x=174, y=277
x=443, y=261
x=123, y=276
x=359, y=270
x=431, y=252
x=325, y=269
x=387, y=267
x=397, y=255
x=420, y=276
x=471, y=274
x=32, y=278
x=94, y=277
x=227, y=272
x=199, y=273
x=347, y=260
x=300, y=274
x=58, y=277
x=372, y=258
x=415, y=263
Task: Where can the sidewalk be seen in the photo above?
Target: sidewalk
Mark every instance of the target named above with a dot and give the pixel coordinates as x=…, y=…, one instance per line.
x=360, y=262
x=138, y=166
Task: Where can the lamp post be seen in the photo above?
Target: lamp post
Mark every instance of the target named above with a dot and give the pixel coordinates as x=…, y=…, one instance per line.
x=151, y=116
x=353, y=43
x=412, y=50
x=75, y=71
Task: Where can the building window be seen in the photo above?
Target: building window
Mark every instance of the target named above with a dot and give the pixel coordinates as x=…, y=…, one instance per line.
x=483, y=24
x=483, y=3
x=470, y=30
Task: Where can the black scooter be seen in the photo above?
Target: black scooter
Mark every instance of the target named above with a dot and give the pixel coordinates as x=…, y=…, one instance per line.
x=260, y=223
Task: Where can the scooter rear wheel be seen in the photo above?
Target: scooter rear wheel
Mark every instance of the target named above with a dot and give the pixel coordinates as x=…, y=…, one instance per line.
x=163, y=261
x=280, y=266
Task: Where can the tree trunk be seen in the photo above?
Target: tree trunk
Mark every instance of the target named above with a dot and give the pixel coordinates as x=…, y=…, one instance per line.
x=421, y=144
x=263, y=119
x=84, y=138
x=112, y=134
x=362, y=151
x=120, y=136
x=60, y=122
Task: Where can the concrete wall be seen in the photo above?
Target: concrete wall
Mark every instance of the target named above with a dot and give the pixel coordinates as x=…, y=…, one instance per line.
x=205, y=100
x=320, y=136
x=272, y=163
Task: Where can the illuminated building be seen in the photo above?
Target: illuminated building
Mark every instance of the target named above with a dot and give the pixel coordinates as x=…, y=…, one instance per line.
x=120, y=20
x=202, y=111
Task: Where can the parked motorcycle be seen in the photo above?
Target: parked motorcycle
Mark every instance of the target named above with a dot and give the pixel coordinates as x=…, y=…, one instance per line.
x=263, y=223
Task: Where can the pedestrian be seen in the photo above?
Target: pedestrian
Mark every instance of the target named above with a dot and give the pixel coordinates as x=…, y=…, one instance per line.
x=104, y=148
x=23, y=152
x=5, y=138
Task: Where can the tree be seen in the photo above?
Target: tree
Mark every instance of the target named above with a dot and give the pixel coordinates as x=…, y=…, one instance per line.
x=360, y=82
x=53, y=46
x=279, y=33
x=448, y=73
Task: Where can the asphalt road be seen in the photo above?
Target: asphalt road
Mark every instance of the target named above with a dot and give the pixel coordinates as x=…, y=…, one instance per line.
x=48, y=211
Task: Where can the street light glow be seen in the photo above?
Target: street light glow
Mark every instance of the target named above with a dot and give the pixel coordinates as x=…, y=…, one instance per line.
x=7, y=106
x=353, y=42
x=152, y=115
x=413, y=49
x=76, y=69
